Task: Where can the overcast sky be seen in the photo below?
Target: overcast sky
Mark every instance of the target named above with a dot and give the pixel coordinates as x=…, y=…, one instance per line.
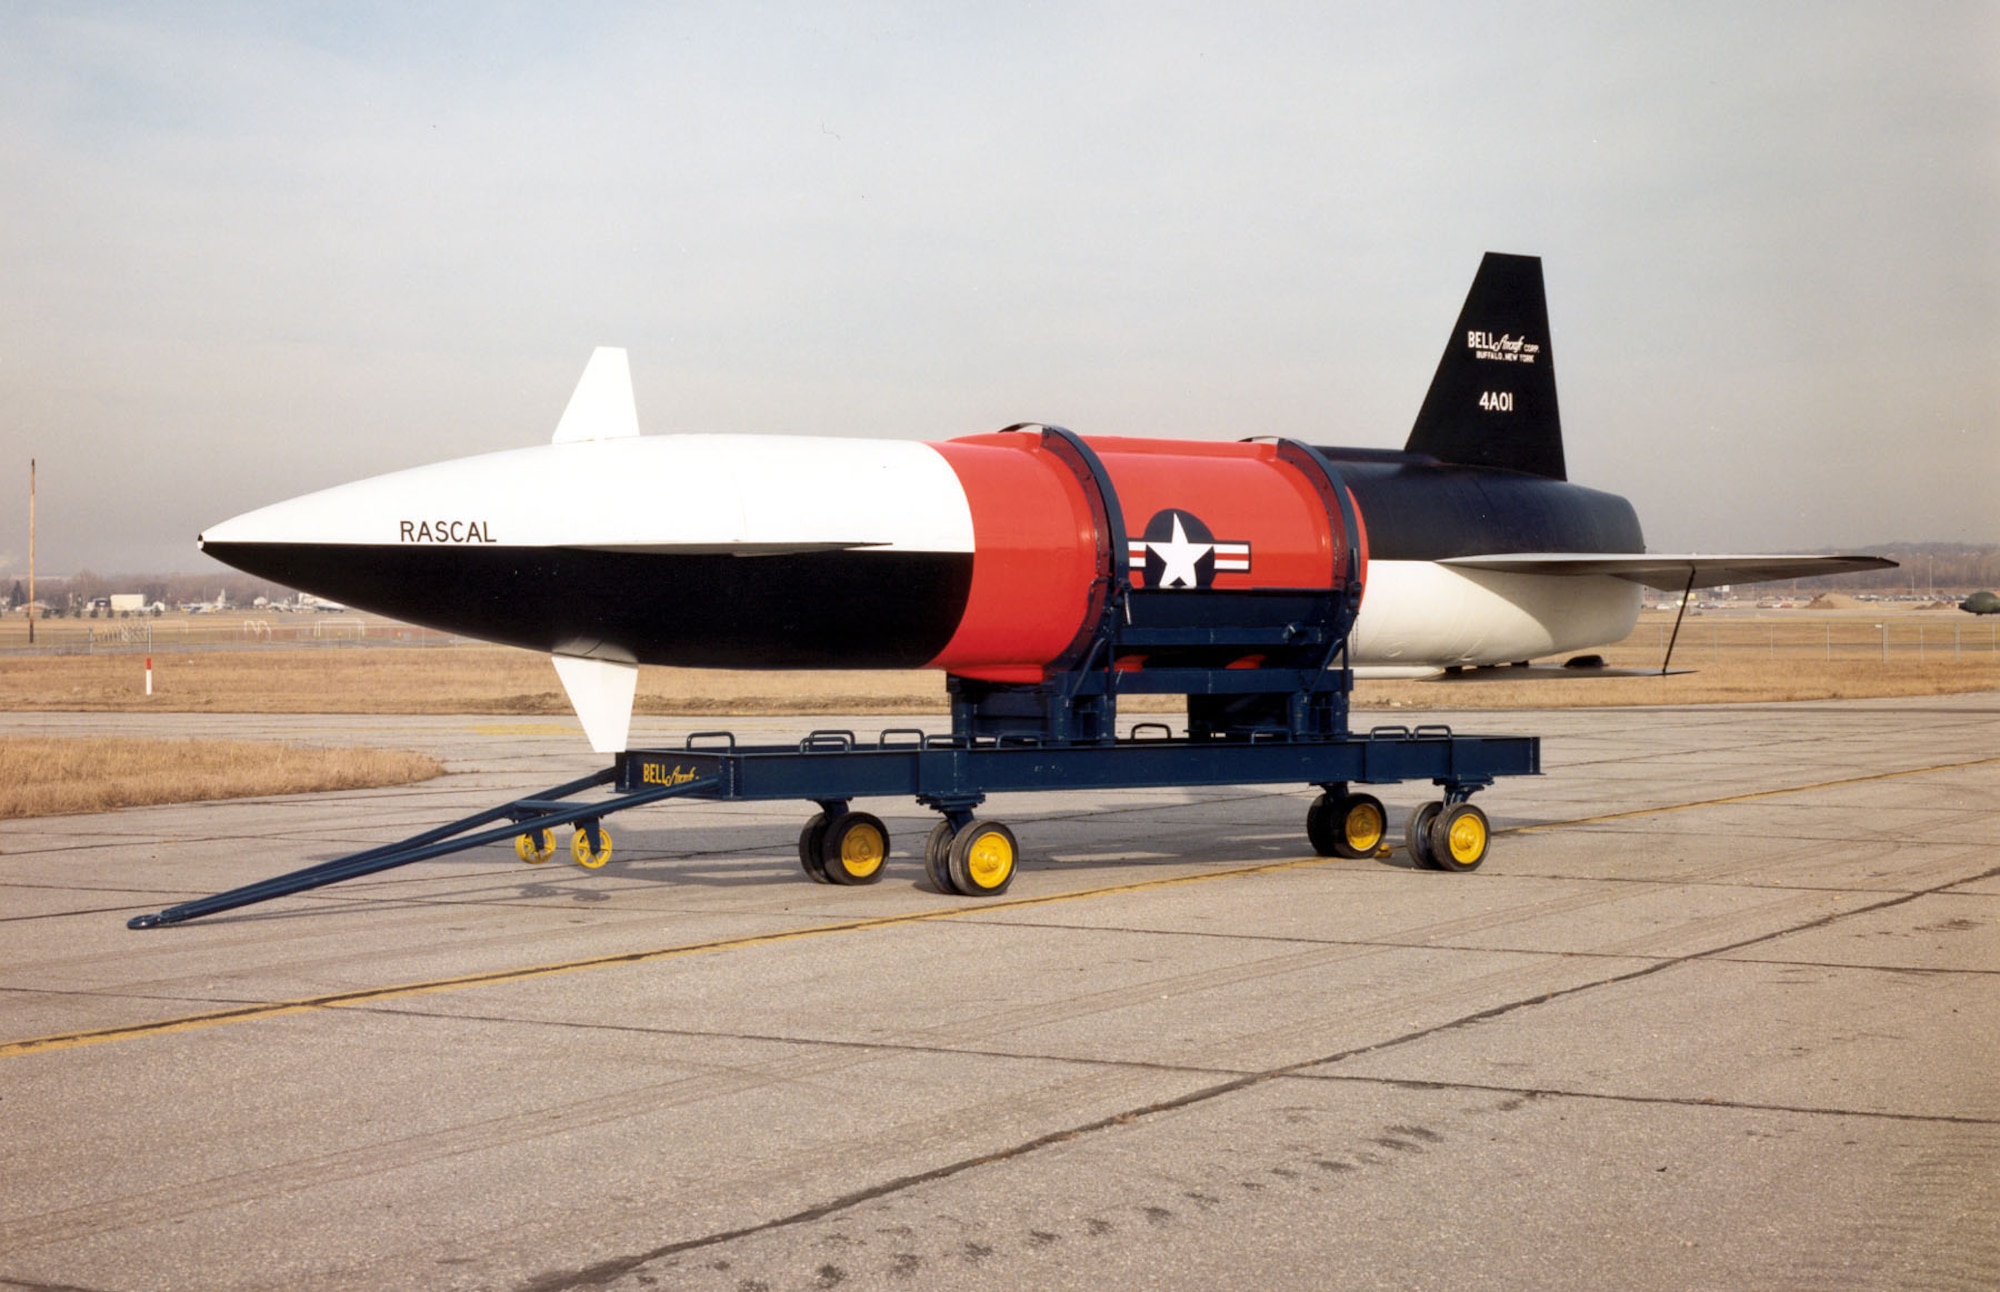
x=247, y=251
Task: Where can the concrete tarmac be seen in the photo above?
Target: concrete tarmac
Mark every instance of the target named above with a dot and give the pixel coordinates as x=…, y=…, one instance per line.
x=1719, y=1011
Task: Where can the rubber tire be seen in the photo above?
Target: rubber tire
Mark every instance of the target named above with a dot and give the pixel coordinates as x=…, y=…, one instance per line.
x=1459, y=838
x=811, y=835
x=937, y=857
x=1321, y=825
x=869, y=857
x=579, y=849
x=1330, y=825
x=975, y=876
x=1417, y=835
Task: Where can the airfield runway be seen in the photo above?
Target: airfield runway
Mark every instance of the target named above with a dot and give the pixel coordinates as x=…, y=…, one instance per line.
x=1721, y=1010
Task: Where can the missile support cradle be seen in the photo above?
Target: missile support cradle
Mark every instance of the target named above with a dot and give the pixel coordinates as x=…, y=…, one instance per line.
x=1267, y=683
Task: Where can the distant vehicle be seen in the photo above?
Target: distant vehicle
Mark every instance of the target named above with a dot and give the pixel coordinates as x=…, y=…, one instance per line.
x=1981, y=603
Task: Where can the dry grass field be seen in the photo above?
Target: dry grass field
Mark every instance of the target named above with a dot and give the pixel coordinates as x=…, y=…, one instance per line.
x=450, y=679
x=51, y=777
x=228, y=628
x=213, y=665
x=1744, y=657
x=1736, y=656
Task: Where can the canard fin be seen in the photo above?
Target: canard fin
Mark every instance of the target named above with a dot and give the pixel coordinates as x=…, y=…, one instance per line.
x=601, y=691
x=601, y=407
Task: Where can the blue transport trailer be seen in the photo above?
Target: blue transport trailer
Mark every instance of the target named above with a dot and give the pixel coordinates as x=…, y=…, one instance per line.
x=964, y=853
x=1267, y=684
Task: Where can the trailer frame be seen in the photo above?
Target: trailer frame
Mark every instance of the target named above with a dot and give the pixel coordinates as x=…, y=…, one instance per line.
x=1264, y=670
x=948, y=774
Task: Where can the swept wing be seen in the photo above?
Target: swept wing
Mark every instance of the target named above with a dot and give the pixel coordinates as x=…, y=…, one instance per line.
x=1671, y=572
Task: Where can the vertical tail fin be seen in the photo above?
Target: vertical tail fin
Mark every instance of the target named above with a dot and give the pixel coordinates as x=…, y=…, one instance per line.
x=1493, y=400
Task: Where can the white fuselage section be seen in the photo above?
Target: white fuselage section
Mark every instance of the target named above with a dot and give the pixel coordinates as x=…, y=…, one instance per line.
x=1418, y=617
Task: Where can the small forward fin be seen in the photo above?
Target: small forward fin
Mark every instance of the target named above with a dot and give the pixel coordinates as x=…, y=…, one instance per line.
x=602, y=407
x=601, y=691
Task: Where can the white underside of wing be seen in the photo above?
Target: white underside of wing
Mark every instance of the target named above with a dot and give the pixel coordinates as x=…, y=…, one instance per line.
x=1668, y=571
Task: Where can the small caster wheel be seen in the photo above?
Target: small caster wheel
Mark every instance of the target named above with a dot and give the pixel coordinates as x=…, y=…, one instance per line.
x=1458, y=838
x=1417, y=834
x=982, y=859
x=585, y=855
x=853, y=849
x=811, y=835
x=1350, y=825
x=535, y=848
x=937, y=857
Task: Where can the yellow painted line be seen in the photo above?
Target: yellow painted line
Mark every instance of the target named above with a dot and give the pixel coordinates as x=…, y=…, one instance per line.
x=370, y=995
x=1750, y=797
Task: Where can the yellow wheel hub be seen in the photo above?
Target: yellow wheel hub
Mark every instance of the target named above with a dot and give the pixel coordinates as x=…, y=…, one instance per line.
x=989, y=861
x=535, y=848
x=1364, y=826
x=1467, y=838
x=862, y=851
x=579, y=848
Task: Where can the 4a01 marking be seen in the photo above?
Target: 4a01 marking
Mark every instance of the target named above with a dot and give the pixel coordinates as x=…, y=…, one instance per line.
x=443, y=531
x=1497, y=401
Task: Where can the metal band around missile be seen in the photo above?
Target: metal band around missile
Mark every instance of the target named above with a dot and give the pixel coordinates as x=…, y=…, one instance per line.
x=1347, y=571
x=1114, y=577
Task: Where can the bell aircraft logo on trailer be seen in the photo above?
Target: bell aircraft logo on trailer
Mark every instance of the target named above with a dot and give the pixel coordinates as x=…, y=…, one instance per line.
x=1502, y=348
x=651, y=773
x=1178, y=551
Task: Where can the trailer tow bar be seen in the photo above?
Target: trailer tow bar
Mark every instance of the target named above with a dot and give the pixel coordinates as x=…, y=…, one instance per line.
x=529, y=817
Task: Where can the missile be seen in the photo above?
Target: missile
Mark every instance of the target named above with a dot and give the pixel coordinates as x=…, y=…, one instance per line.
x=988, y=556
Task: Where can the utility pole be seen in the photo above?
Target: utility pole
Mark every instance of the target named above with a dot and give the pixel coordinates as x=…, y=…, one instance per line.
x=31, y=551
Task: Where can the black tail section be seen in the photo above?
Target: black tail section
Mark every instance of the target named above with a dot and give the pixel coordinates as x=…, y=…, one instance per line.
x=1493, y=401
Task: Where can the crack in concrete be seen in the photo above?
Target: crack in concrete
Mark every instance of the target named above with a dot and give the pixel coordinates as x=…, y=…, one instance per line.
x=603, y=1272
x=1670, y=1101
x=831, y=1043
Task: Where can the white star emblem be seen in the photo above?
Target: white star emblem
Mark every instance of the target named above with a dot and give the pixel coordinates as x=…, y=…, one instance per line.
x=1177, y=557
